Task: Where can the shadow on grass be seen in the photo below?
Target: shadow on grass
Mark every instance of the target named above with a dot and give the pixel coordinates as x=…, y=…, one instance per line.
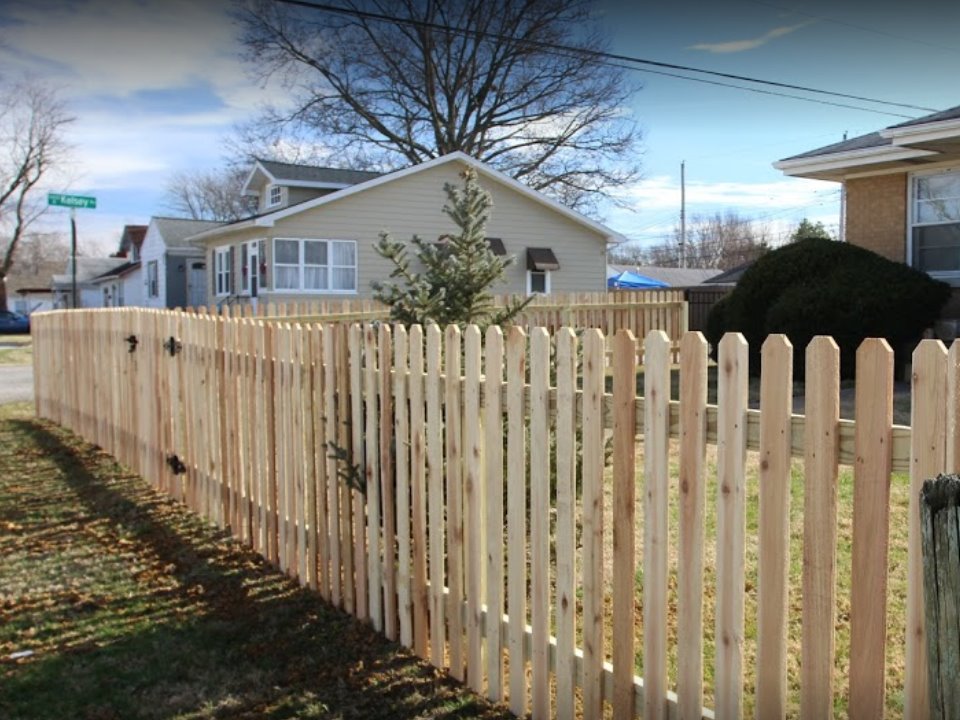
x=205, y=629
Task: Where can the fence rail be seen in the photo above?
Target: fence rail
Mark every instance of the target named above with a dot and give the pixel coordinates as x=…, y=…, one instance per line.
x=408, y=475
x=637, y=311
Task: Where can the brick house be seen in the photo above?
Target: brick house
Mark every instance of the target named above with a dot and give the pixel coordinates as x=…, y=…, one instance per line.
x=901, y=192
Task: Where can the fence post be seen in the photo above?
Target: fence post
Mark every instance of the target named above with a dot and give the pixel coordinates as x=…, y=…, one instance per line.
x=940, y=531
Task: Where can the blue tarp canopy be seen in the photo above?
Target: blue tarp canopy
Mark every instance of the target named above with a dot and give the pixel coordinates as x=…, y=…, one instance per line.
x=629, y=280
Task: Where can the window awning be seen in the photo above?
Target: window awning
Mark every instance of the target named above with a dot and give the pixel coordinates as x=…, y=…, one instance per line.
x=541, y=259
x=496, y=246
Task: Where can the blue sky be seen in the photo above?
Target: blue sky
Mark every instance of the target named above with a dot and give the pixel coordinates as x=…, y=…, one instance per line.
x=156, y=86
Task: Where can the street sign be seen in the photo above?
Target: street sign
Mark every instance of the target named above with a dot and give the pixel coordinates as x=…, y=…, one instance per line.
x=71, y=201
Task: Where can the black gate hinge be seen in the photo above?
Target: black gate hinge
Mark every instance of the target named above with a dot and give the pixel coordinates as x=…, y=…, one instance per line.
x=176, y=465
x=134, y=341
x=173, y=346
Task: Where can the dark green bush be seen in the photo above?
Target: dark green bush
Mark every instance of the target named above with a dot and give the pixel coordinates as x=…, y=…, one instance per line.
x=822, y=287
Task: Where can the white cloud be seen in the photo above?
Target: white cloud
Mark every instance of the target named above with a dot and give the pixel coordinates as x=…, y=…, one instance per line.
x=122, y=46
x=653, y=205
x=735, y=46
x=664, y=192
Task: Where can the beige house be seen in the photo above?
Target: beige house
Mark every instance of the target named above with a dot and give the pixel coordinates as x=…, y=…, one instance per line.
x=316, y=229
x=902, y=191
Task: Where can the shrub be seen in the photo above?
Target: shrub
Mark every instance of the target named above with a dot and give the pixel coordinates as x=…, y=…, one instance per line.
x=822, y=287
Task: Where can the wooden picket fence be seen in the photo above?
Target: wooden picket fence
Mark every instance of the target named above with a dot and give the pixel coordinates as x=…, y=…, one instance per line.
x=464, y=516
x=637, y=311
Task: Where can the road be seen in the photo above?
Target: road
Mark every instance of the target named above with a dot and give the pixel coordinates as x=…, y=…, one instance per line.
x=16, y=383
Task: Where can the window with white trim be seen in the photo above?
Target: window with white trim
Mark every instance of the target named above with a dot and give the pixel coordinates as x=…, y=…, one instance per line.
x=153, y=282
x=314, y=266
x=222, y=270
x=274, y=195
x=935, y=223
x=538, y=282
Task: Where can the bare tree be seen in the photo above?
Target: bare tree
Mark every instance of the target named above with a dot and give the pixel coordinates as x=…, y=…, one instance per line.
x=38, y=250
x=481, y=76
x=33, y=119
x=209, y=195
x=722, y=241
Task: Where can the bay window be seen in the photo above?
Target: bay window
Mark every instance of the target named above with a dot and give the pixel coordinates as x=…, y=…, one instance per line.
x=314, y=266
x=935, y=224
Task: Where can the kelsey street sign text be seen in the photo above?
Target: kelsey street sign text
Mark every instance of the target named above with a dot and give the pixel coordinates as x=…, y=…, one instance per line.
x=71, y=201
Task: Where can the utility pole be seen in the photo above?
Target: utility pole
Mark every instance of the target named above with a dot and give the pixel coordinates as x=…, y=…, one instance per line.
x=73, y=202
x=683, y=214
x=73, y=255
x=843, y=205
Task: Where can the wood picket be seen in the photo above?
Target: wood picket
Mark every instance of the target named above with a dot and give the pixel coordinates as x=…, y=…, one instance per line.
x=448, y=487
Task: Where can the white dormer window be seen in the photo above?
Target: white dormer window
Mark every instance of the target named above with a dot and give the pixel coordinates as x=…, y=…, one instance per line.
x=274, y=195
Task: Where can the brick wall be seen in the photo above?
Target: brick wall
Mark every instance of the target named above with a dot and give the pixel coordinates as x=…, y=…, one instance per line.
x=877, y=214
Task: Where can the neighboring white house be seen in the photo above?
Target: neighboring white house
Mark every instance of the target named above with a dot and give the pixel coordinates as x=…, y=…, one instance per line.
x=172, y=271
x=122, y=286
x=89, y=292
x=324, y=246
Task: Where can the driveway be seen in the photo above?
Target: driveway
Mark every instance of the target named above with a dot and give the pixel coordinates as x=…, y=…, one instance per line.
x=16, y=383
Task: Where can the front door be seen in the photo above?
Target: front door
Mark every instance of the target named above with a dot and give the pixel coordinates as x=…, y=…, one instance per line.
x=197, y=285
x=254, y=265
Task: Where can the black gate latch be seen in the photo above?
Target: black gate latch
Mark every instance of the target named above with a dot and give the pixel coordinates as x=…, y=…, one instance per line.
x=133, y=342
x=173, y=346
x=176, y=465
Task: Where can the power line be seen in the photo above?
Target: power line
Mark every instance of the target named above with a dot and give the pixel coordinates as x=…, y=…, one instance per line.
x=607, y=56
x=864, y=28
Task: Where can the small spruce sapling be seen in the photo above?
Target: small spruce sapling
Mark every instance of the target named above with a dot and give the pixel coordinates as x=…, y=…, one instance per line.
x=458, y=272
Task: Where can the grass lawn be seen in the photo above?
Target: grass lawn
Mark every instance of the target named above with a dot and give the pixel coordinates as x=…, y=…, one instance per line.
x=896, y=585
x=16, y=349
x=116, y=603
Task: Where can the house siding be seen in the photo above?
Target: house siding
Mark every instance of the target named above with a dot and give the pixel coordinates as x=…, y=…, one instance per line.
x=298, y=195
x=414, y=205
x=153, y=248
x=877, y=214
x=133, y=288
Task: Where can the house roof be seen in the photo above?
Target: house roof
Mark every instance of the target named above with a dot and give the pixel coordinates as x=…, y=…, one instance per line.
x=176, y=232
x=87, y=269
x=948, y=114
x=290, y=174
x=731, y=276
x=27, y=275
x=861, y=142
x=933, y=138
x=268, y=219
x=117, y=272
x=132, y=237
x=674, y=277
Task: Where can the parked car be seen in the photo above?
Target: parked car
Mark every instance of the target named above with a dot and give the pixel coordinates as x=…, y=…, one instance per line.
x=11, y=322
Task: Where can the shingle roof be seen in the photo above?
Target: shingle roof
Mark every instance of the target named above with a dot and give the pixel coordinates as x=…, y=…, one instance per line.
x=874, y=139
x=87, y=269
x=117, y=271
x=175, y=231
x=311, y=173
x=132, y=236
x=674, y=277
x=861, y=142
x=948, y=114
x=732, y=275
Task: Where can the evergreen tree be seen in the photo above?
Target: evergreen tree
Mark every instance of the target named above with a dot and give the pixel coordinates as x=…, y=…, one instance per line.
x=457, y=273
x=807, y=229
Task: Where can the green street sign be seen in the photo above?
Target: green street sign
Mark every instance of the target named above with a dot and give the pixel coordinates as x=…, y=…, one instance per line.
x=71, y=201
